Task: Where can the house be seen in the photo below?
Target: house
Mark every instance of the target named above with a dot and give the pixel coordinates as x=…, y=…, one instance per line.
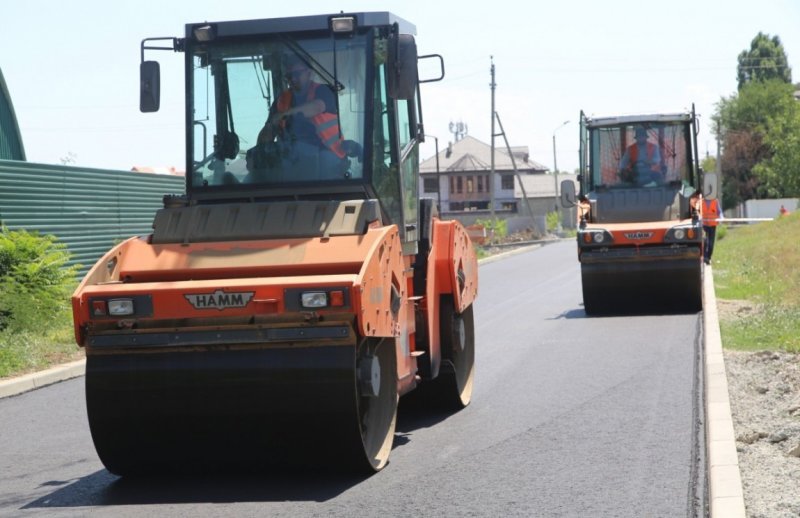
x=458, y=177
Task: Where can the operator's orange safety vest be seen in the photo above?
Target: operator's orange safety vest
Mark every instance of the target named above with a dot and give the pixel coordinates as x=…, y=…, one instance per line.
x=326, y=124
x=710, y=212
x=633, y=154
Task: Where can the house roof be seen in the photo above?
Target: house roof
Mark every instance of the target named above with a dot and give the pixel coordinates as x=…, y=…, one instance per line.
x=170, y=170
x=470, y=154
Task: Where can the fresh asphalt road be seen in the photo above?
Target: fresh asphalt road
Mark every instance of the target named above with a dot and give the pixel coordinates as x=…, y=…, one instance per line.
x=571, y=416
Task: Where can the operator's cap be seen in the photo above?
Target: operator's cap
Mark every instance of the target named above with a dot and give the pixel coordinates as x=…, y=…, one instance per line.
x=640, y=132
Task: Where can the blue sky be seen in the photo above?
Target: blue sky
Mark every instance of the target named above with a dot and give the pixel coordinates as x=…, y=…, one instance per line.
x=72, y=67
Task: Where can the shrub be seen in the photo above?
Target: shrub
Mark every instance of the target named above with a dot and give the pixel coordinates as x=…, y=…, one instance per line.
x=35, y=282
x=722, y=231
x=496, y=228
x=552, y=221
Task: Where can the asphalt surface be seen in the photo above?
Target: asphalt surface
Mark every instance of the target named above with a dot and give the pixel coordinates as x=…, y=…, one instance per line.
x=571, y=416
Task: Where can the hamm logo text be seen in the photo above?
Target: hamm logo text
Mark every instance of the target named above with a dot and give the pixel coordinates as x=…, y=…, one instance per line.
x=639, y=235
x=219, y=300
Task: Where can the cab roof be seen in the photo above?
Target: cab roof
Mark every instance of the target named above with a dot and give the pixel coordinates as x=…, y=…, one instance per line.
x=594, y=122
x=291, y=24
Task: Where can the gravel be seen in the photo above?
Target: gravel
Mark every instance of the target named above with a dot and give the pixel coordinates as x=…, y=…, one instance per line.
x=764, y=391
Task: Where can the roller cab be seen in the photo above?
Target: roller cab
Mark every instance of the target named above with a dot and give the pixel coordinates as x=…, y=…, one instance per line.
x=287, y=299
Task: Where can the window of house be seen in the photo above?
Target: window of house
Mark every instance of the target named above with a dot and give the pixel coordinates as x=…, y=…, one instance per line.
x=470, y=185
x=430, y=185
x=507, y=182
x=459, y=185
x=480, y=183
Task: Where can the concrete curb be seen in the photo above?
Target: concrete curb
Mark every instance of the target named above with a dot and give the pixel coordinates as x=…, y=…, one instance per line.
x=725, y=498
x=34, y=380
x=503, y=255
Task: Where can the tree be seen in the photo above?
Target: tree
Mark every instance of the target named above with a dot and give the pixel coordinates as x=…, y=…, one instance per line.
x=765, y=60
x=781, y=170
x=743, y=150
x=760, y=129
x=708, y=163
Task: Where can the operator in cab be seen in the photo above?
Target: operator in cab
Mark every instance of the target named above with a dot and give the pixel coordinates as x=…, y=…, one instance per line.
x=641, y=163
x=302, y=134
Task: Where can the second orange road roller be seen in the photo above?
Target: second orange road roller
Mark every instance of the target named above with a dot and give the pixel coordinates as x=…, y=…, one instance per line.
x=639, y=212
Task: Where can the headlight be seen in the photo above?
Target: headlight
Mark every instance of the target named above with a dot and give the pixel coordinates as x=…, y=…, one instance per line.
x=120, y=307
x=314, y=299
x=343, y=24
x=681, y=234
x=595, y=237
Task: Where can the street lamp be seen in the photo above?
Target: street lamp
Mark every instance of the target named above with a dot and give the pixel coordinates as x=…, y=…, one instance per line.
x=438, y=176
x=555, y=164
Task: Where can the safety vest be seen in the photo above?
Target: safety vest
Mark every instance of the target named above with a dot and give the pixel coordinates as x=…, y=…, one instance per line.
x=710, y=212
x=326, y=124
x=634, y=154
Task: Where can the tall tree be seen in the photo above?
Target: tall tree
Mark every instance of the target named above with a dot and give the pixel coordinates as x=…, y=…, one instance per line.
x=765, y=60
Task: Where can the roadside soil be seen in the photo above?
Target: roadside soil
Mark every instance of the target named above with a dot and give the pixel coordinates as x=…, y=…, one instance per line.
x=764, y=392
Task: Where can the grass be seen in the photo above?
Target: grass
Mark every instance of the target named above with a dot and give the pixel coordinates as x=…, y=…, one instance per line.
x=757, y=283
x=34, y=350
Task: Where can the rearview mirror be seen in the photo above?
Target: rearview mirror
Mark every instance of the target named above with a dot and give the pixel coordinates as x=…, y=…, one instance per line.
x=402, y=66
x=149, y=86
x=568, y=197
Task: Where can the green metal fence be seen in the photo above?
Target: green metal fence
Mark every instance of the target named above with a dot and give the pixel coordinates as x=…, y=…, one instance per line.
x=89, y=210
x=10, y=140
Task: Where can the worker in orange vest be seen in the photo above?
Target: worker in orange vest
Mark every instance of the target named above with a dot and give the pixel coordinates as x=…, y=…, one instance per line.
x=711, y=214
x=304, y=121
x=641, y=162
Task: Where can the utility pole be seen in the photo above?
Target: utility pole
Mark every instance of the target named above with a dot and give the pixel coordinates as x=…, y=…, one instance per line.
x=516, y=172
x=491, y=171
x=555, y=170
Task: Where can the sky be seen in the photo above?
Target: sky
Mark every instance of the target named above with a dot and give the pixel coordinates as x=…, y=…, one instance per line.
x=72, y=67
